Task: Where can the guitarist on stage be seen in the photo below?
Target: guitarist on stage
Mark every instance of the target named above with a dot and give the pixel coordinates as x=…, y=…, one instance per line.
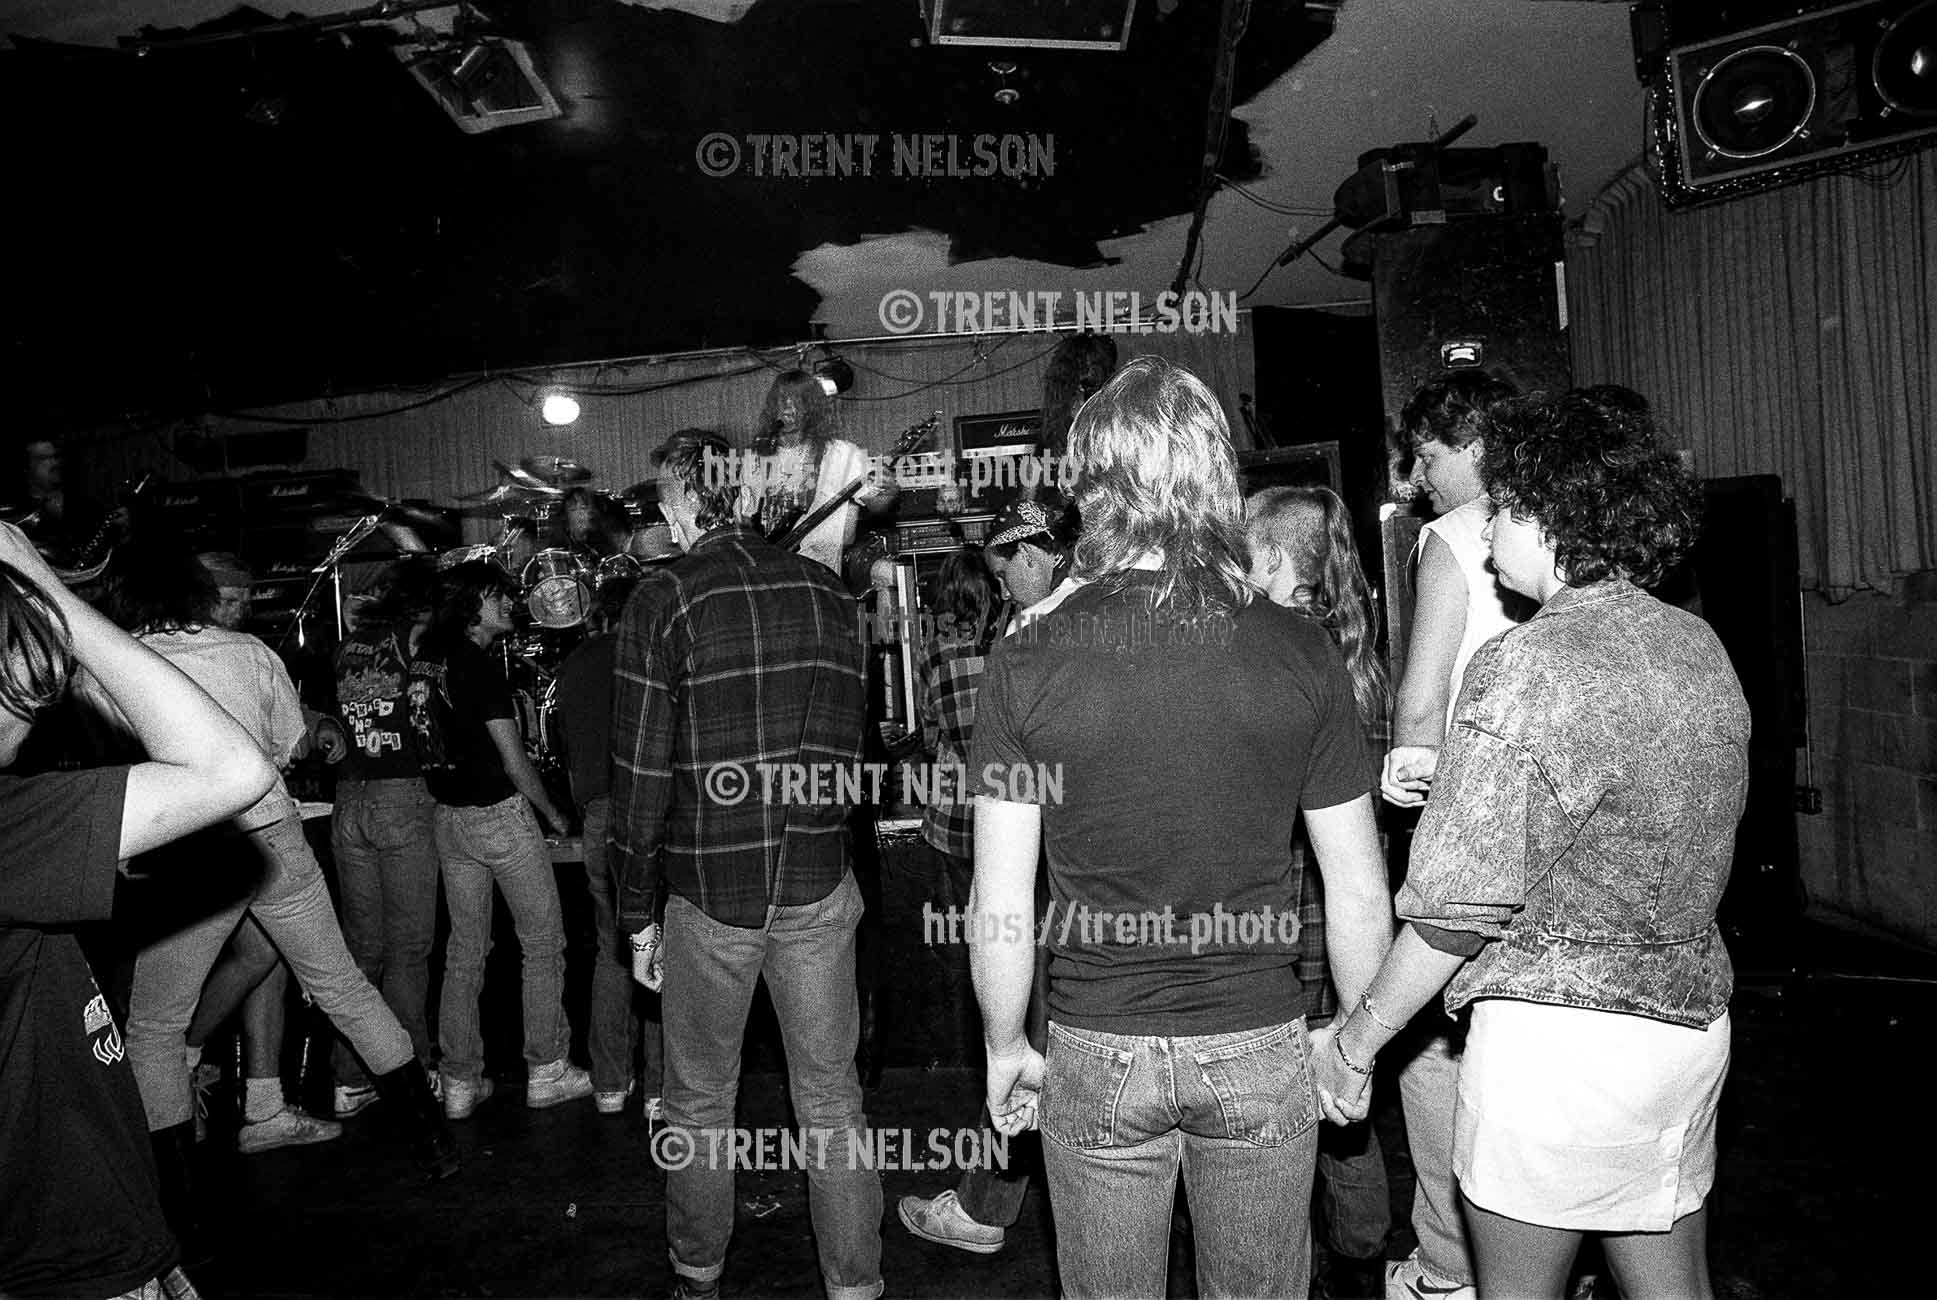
x=798, y=462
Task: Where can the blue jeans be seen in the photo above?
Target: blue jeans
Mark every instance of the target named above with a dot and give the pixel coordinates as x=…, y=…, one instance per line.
x=1429, y=1096
x=1236, y=1113
x=384, y=844
x=615, y=1029
x=807, y=956
x=499, y=843
x=292, y=904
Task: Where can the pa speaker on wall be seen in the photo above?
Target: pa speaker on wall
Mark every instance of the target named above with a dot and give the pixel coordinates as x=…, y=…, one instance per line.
x=1764, y=105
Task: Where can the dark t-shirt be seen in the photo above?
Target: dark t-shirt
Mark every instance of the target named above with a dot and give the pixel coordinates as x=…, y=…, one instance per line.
x=585, y=716
x=371, y=668
x=79, y=1211
x=1171, y=759
x=454, y=691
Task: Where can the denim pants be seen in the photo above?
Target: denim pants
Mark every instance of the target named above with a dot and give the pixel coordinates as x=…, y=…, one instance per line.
x=383, y=841
x=615, y=1029
x=1429, y=1096
x=1236, y=1114
x=806, y=954
x=292, y=904
x=499, y=843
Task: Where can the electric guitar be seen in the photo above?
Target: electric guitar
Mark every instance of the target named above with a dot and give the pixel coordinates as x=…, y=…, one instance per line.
x=911, y=438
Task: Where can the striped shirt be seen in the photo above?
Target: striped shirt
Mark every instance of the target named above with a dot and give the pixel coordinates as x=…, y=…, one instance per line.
x=739, y=676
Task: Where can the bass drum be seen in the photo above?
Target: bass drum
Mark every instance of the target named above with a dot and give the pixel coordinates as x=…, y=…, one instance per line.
x=558, y=589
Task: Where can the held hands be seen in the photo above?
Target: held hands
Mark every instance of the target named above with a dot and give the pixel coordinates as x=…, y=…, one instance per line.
x=1015, y=1088
x=1344, y=1094
x=648, y=958
x=1407, y=774
x=330, y=741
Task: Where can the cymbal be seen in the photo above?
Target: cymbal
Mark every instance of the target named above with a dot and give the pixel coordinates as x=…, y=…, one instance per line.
x=555, y=471
x=506, y=499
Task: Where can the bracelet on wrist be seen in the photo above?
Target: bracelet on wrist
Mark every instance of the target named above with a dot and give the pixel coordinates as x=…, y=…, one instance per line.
x=1365, y=1004
x=1339, y=1042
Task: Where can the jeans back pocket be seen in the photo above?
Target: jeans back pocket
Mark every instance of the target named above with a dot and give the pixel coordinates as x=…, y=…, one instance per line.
x=1263, y=1083
x=1082, y=1086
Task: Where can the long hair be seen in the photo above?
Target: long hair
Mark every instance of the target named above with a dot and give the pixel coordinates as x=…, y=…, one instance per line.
x=1588, y=467
x=1312, y=530
x=967, y=600
x=820, y=420
x=160, y=589
x=1156, y=474
x=1078, y=367
x=36, y=649
x=458, y=598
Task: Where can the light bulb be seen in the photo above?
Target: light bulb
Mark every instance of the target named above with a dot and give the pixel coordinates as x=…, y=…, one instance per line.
x=559, y=409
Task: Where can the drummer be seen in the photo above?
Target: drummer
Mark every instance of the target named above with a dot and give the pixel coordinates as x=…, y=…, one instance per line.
x=591, y=522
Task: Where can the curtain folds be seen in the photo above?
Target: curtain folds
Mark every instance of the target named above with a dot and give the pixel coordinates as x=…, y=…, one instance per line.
x=1793, y=333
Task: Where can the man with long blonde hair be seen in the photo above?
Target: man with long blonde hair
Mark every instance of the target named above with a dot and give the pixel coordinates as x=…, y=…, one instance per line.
x=1173, y=728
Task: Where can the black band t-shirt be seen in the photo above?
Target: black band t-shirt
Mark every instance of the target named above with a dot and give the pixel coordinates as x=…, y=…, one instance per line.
x=455, y=690
x=80, y=1213
x=1171, y=758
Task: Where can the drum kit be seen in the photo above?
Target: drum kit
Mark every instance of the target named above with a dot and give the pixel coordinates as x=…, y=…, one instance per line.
x=562, y=542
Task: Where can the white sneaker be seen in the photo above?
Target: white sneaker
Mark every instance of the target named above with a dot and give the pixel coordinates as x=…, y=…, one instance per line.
x=1407, y=1279
x=288, y=1127
x=613, y=1103
x=942, y=1220
x=558, y=1082
x=352, y=1101
x=461, y=1098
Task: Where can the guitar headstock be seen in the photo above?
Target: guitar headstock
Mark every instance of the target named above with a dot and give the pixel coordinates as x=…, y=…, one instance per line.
x=915, y=435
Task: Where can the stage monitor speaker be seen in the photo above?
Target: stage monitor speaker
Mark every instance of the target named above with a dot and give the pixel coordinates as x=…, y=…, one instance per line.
x=1077, y=25
x=1487, y=293
x=1768, y=104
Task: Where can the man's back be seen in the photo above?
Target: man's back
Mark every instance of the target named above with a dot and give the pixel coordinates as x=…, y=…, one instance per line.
x=738, y=666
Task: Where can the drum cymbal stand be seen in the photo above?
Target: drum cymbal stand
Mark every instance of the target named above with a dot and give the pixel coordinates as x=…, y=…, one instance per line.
x=331, y=567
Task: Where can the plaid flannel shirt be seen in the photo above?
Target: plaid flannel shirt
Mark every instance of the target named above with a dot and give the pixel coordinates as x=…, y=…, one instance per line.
x=949, y=677
x=738, y=655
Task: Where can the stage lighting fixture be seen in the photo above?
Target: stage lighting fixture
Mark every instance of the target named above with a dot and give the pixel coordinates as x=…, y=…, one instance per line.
x=482, y=82
x=836, y=376
x=559, y=409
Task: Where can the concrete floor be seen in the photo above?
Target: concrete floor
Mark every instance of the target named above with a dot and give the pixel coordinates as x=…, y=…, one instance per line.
x=1820, y=1191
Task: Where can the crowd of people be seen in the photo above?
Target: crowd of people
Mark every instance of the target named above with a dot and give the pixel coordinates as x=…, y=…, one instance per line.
x=1203, y=672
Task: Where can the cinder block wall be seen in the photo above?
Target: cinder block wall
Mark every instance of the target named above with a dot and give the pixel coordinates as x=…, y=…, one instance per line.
x=1872, y=669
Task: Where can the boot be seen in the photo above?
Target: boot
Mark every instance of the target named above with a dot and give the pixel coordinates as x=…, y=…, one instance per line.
x=407, y=1089
x=174, y=1154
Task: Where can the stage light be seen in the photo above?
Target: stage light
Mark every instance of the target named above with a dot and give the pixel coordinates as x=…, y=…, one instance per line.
x=836, y=376
x=559, y=409
x=483, y=83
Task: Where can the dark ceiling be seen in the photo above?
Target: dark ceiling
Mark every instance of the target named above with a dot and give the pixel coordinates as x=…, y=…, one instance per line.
x=176, y=251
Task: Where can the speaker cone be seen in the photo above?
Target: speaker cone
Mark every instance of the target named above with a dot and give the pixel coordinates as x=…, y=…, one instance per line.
x=1904, y=66
x=1754, y=102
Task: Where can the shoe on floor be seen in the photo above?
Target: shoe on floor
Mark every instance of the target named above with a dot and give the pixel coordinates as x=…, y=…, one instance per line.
x=685, y=1288
x=1406, y=1279
x=558, y=1082
x=461, y=1098
x=613, y=1103
x=288, y=1127
x=942, y=1220
x=351, y=1101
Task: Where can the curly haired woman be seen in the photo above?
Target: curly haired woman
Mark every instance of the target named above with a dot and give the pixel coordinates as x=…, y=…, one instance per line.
x=1566, y=872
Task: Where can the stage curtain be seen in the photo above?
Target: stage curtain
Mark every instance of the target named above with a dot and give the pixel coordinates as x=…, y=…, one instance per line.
x=1792, y=332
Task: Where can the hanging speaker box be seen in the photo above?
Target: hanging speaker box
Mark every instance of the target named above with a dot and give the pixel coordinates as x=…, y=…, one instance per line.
x=1822, y=91
x=1022, y=24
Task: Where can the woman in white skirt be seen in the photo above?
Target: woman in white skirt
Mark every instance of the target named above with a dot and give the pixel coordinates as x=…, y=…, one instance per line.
x=1566, y=872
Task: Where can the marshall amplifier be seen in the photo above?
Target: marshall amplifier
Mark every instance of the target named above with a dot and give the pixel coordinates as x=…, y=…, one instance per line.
x=935, y=536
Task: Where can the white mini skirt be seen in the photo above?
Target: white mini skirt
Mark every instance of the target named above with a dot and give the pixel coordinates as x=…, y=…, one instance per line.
x=1587, y=1120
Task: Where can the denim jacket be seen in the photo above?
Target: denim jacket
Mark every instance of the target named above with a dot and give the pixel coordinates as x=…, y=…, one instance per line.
x=1584, y=810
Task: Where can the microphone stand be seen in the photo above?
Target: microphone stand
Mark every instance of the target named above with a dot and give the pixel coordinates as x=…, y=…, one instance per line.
x=329, y=567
